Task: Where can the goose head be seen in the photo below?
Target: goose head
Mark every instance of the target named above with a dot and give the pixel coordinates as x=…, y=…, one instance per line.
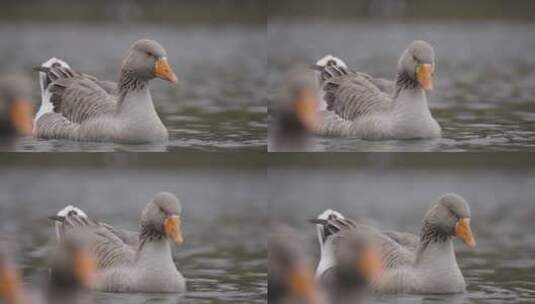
x=358, y=259
x=297, y=109
x=451, y=217
x=162, y=218
x=16, y=110
x=11, y=290
x=147, y=59
x=418, y=63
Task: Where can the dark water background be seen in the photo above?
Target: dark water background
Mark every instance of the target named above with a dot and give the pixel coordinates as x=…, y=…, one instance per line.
x=380, y=191
x=218, y=105
x=484, y=95
x=224, y=214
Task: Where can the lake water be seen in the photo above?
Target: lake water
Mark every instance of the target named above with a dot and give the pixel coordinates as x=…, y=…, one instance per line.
x=222, y=261
x=219, y=103
x=501, y=269
x=484, y=95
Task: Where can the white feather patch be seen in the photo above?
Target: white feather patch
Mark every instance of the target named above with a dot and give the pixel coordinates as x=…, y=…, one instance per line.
x=321, y=93
x=46, y=105
x=63, y=213
x=323, y=61
x=327, y=259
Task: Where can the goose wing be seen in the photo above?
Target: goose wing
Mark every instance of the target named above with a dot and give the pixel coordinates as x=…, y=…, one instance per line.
x=352, y=94
x=384, y=85
x=108, y=249
x=405, y=239
x=130, y=238
x=393, y=253
x=75, y=96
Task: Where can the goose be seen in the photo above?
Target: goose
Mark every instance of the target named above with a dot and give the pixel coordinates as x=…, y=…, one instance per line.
x=424, y=264
x=290, y=273
x=358, y=105
x=16, y=109
x=80, y=107
x=294, y=111
x=122, y=264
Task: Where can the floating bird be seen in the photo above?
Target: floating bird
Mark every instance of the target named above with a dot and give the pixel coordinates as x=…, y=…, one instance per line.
x=358, y=105
x=128, y=261
x=412, y=264
x=80, y=107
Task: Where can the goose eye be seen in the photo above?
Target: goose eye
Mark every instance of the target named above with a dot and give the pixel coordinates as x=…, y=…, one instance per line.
x=150, y=54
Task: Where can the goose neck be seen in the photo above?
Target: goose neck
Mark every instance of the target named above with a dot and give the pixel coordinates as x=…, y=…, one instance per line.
x=434, y=244
x=130, y=86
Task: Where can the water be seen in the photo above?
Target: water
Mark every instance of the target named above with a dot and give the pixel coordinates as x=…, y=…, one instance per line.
x=222, y=261
x=218, y=105
x=501, y=269
x=484, y=96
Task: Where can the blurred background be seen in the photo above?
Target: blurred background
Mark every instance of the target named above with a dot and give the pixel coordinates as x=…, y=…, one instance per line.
x=484, y=96
x=393, y=191
x=224, y=214
x=217, y=49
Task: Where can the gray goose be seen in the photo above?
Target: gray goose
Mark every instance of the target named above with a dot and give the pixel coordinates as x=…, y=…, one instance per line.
x=124, y=264
x=294, y=111
x=80, y=107
x=358, y=105
x=16, y=110
x=423, y=264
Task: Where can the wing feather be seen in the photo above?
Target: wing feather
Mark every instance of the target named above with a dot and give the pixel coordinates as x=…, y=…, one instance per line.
x=352, y=96
x=108, y=249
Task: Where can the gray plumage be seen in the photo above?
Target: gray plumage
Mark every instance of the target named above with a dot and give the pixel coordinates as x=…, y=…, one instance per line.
x=80, y=107
x=123, y=263
x=359, y=105
x=413, y=264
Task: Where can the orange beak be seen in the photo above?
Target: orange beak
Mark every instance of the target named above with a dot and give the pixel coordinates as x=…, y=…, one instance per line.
x=370, y=264
x=173, y=229
x=424, y=74
x=464, y=232
x=85, y=268
x=306, y=108
x=21, y=116
x=303, y=284
x=10, y=285
x=163, y=70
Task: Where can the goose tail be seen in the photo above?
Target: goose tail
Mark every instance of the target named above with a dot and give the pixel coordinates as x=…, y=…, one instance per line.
x=327, y=67
x=327, y=259
x=331, y=60
x=44, y=82
x=67, y=217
